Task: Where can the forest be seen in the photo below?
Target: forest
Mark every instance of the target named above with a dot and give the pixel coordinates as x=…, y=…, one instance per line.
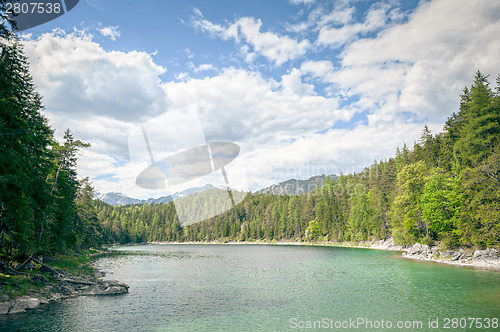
x=445, y=188
x=45, y=208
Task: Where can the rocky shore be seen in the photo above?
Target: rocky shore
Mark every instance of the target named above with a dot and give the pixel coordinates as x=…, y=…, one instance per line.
x=61, y=286
x=387, y=244
x=488, y=258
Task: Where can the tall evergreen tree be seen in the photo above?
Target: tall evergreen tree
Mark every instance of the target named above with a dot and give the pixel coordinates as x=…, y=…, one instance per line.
x=25, y=140
x=480, y=131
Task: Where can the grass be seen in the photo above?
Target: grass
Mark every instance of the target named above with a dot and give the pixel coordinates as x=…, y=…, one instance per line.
x=76, y=265
x=14, y=286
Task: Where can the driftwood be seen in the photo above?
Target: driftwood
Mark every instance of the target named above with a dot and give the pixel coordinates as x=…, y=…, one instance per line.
x=79, y=282
x=52, y=270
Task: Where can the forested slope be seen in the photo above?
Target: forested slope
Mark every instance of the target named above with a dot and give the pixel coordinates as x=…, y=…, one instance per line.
x=44, y=208
x=445, y=188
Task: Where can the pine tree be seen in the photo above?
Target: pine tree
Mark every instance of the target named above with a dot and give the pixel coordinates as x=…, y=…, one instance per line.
x=480, y=130
x=87, y=225
x=25, y=138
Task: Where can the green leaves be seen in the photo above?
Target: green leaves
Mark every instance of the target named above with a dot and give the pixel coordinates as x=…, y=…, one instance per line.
x=313, y=230
x=442, y=202
x=407, y=208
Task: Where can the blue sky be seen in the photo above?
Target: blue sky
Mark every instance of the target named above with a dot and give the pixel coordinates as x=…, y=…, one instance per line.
x=304, y=87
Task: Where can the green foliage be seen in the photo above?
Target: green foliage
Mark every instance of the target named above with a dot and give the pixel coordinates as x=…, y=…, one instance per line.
x=407, y=207
x=43, y=207
x=75, y=264
x=479, y=223
x=479, y=132
x=15, y=286
x=442, y=202
x=313, y=230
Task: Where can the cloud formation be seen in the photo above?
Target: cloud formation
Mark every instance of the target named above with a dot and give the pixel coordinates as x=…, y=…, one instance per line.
x=247, y=32
x=359, y=85
x=332, y=35
x=112, y=32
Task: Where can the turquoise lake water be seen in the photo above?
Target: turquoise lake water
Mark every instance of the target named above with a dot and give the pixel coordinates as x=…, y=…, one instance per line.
x=275, y=288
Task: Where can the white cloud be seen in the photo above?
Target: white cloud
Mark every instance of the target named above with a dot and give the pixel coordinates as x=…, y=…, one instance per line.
x=214, y=30
x=247, y=31
x=321, y=68
x=96, y=93
x=342, y=13
x=279, y=49
x=204, y=67
x=77, y=76
x=419, y=66
x=112, y=32
x=292, y=84
x=183, y=76
x=189, y=53
x=428, y=59
x=329, y=153
x=261, y=115
x=337, y=36
x=243, y=106
x=301, y=2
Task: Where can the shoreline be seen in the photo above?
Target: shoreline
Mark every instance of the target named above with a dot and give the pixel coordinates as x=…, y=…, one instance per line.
x=280, y=243
x=488, y=259
x=62, y=285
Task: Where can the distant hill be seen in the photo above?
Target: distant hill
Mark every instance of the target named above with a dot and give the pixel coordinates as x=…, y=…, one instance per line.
x=296, y=187
x=113, y=198
x=289, y=187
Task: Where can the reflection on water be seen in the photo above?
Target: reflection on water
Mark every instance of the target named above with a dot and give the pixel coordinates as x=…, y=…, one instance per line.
x=249, y=287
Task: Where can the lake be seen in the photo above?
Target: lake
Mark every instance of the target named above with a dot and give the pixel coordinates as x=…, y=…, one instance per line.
x=274, y=288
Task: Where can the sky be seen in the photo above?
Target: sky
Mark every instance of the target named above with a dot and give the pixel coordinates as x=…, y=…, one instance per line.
x=303, y=87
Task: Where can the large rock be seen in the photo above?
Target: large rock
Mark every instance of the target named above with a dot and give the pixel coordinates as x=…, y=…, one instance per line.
x=21, y=304
x=458, y=255
x=387, y=244
x=419, y=249
x=487, y=258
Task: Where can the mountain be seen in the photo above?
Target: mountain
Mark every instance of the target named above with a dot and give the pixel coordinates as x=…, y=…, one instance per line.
x=289, y=187
x=296, y=187
x=113, y=198
x=191, y=191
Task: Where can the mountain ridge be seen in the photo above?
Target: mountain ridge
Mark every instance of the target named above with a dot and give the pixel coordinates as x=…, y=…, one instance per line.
x=288, y=187
x=116, y=198
x=296, y=186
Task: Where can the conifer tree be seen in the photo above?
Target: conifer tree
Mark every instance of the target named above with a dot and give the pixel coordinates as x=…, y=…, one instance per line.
x=25, y=140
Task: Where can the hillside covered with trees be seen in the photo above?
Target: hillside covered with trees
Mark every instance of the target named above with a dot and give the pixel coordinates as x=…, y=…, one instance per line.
x=445, y=188
x=44, y=208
